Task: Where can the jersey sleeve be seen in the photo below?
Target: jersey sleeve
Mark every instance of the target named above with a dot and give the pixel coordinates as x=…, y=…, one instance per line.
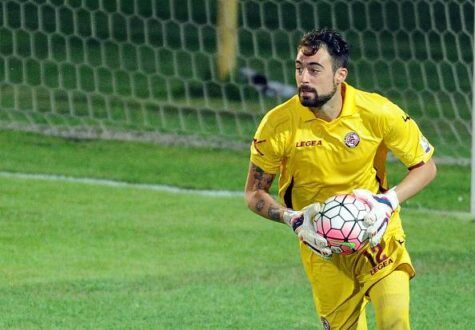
x=404, y=138
x=269, y=143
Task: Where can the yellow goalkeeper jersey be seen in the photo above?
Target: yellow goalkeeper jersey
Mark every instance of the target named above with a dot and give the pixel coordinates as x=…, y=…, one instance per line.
x=318, y=159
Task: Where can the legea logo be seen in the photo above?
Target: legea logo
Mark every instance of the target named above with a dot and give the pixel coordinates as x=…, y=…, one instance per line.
x=309, y=143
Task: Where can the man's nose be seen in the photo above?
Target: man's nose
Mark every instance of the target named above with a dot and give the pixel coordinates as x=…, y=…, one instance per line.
x=304, y=75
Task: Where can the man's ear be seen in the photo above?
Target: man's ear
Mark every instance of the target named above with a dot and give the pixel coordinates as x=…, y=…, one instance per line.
x=340, y=75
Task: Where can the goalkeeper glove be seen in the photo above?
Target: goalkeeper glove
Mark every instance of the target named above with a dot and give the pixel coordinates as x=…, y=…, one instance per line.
x=301, y=223
x=382, y=206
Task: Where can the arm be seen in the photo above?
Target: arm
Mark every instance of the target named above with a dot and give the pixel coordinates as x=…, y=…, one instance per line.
x=258, y=197
x=416, y=180
x=261, y=202
x=383, y=205
x=403, y=137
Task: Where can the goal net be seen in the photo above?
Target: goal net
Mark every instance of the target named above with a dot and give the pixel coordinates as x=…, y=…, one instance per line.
x=146, y=69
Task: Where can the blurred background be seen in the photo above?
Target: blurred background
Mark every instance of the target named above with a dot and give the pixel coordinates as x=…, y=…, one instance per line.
x=205, y=71
x=125, y=128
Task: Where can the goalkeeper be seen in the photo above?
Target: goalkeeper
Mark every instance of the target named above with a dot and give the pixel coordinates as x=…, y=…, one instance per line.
x=330, y=139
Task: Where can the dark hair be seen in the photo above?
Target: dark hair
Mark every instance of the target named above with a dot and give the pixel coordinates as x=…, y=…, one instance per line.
x=334, y=42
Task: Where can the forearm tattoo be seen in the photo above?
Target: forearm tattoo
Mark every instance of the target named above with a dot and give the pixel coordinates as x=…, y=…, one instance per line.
x=274, y=213
x=260, y=205
x=262, y=180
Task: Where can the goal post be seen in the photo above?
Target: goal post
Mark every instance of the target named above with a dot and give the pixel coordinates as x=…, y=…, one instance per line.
x=154, y=69
x=472, y=185
x=227, y=37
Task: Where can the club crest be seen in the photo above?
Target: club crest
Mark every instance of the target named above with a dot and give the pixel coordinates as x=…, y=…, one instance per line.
x=352, y=139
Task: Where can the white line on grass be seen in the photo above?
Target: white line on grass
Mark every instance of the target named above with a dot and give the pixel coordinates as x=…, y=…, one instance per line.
x=121, y=184
x=173, y=189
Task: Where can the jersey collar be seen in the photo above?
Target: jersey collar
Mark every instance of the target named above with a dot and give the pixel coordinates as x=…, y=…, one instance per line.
x=349, y=101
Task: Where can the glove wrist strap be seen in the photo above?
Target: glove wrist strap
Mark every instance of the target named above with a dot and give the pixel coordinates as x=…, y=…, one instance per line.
x=391, y=195
x=287, y=217
x=291, y=219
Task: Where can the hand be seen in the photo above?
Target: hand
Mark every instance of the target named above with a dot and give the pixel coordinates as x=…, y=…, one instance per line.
x=382, y=207
x=301, y=223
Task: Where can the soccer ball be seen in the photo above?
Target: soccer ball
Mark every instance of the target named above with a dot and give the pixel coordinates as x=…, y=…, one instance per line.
x=341, y=222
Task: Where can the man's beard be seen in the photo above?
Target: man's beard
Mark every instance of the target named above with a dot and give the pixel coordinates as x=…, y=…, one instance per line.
x=318, y=100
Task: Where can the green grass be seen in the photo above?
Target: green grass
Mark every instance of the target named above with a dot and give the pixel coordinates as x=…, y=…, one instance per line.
x=83, y=256
x=183, y=167
x=89, y=256
x=131, y=162
x=92, y=257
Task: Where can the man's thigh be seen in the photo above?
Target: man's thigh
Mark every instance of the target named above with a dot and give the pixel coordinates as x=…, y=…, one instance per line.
x=338, y=298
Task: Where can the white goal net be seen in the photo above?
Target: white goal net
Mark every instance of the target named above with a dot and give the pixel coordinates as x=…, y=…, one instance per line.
x=147, y=68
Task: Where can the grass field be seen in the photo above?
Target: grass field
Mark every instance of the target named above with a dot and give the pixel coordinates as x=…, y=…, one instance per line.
x=86, y=256
x=192, y=168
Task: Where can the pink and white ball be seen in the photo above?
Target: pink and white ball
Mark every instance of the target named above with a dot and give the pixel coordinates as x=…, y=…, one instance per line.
x=341, y=222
